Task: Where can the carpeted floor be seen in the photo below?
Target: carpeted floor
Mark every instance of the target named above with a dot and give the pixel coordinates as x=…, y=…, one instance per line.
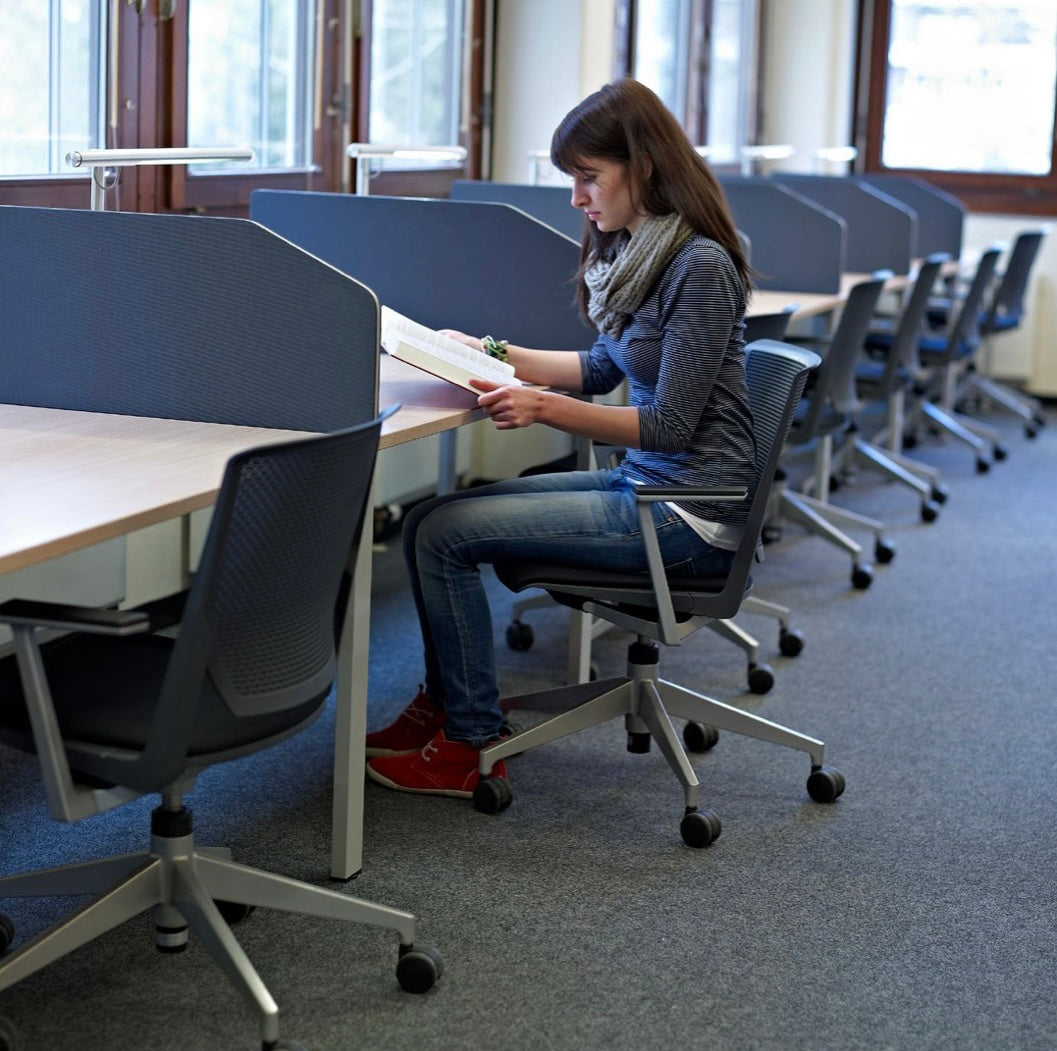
x=920, y=911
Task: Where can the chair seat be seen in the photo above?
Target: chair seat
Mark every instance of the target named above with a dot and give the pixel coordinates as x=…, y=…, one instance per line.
x=98, y=686
x=691, y=595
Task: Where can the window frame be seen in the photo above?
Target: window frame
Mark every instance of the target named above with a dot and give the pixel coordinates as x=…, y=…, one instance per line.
x=1000, y=193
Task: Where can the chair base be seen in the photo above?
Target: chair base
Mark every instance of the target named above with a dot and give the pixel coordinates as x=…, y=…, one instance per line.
x=1029, y=409
x=183, y=885
x=648, y=703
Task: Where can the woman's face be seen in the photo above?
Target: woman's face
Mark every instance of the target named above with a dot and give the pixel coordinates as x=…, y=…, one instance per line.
x=602, y=191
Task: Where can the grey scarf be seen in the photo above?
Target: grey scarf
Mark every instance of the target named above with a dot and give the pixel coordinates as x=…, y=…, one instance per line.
x=617, y=286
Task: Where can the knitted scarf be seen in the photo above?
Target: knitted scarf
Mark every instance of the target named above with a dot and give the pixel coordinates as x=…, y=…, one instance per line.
x=617, y=286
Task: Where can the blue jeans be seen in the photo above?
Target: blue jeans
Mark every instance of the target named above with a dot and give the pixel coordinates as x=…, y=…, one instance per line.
x=586, y=518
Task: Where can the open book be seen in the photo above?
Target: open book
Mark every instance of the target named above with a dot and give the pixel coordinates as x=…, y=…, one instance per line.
x=440, y=355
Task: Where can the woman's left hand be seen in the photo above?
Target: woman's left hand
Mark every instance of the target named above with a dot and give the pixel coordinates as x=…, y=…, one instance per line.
x=510, y=406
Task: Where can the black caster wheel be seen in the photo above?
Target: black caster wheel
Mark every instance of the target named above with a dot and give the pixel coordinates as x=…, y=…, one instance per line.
x=700, y=827
x=492, y=795
x=825, y=784
x=930, y=511
x=790, y=642
x=1031, y=431
x=699, y=737
x=519, y=636
x=861, y=576
x=232, y=911
x=9, y=1040
x=1038, y=420
x=884, y=551
x=1000, y=452
x=417, y=970
x=835, y=482
x=761, y=678
x=982, y=466
x=771, y=534
x=939, y=494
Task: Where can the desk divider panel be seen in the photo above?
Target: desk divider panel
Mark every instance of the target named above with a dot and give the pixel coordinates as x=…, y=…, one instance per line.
x=181, y=317
x=941, y=216
x=797, y=245
x=882, y=231
x=550, y=204
x=479, y=267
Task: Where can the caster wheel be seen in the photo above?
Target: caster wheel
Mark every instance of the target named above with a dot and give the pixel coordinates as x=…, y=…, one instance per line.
x=982, y=466
x=1000, y=452
x=1038, y=420
x=761, y=678
x=7, y=934
x=835, y=482
x=9, y=1040
x=519, y=636
x=700, y=827
x=771, y=534
x=233, y=911
x=939, y=494
x=1031, y=431
x=884, y=551
x=699, y=737
x=417, y=970
x=825, y=784
x=930, y=511
x=492, y=795
x=861, y=576
x=790, y=642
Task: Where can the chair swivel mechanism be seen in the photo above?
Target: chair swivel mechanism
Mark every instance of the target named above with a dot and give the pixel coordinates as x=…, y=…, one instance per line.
x=115, y=711
x=660, y=611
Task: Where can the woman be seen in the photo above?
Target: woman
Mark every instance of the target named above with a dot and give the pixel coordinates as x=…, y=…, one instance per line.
x=664, y=281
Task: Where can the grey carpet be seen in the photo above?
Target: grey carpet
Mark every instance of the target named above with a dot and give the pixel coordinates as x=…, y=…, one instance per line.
x=917, y=912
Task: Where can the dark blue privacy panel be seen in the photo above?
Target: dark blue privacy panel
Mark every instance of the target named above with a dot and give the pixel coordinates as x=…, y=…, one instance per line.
x=941, y=216
x=882, y=232
x=550, y=204
x=474, y=266
x=797, y=245
x=181, y=317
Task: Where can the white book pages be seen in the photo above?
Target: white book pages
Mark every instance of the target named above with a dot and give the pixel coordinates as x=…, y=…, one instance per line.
x=440, y=355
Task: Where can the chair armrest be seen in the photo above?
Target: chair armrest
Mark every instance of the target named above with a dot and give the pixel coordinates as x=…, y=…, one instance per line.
x=29, y=612
x=654, y=493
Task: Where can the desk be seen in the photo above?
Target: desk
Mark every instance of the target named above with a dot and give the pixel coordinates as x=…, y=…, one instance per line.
x=73, y=479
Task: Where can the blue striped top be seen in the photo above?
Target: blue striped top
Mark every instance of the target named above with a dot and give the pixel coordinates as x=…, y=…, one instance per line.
x=682, y=353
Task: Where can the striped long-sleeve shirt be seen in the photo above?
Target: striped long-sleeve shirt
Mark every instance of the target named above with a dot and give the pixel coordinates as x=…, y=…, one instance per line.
x=682, y=352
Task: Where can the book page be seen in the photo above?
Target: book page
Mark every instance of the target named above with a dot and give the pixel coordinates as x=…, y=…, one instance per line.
x=440, y=355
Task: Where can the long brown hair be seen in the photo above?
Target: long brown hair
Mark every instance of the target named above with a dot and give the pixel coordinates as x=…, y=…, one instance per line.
x=627, y=123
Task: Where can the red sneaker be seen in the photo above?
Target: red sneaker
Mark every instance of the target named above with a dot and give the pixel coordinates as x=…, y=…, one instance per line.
x=442, y=768
x=414, y=728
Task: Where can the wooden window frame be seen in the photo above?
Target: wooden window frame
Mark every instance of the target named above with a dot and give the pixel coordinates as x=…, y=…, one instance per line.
x=981, y=192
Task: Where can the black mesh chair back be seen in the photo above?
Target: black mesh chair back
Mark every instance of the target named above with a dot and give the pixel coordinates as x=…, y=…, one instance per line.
x=1007, y=305
x=830, y=400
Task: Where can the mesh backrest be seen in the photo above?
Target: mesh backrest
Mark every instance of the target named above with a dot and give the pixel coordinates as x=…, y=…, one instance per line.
x=776, y=374
x=965, y=331
x=903, y=355
x=280, y=541
x=847, y=345
x=1008, y=300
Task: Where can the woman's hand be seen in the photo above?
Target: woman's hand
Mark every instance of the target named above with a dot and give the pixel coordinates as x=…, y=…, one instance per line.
x=510, y=406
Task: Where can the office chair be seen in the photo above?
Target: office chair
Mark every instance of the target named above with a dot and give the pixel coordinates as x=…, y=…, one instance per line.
x=115, y=711
x=820, y=424
x=759, y=675
x=882, y=377
x=942, y=355
x=1004, y=313
x=664, y=610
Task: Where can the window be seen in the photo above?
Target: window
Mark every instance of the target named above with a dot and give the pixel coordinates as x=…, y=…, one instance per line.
x=700, y=58
x=295, y=80
x=964, y=94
